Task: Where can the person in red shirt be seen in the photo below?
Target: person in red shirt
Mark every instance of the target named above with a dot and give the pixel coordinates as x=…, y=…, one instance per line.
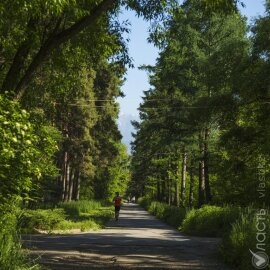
x=117, y=205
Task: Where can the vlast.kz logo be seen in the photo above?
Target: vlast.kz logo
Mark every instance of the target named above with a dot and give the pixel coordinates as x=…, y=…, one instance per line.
x=260, y=260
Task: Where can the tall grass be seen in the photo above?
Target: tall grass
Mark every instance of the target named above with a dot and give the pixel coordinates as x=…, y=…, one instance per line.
x=43, y=219
x=237, y=226
x=172, y=215
x=210, y=220
x=12, y=256
x=145, y=202
x=81, y=215
x=76, y=208
x=238, y=242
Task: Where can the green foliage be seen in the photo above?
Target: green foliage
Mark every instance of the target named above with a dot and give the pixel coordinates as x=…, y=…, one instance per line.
x=80, y=215
x=119, y=173
x=172, y=215
x=239, y=227
x=242, y=238
x=145, y=202
x=41, y=219
x=67, y=225
x=209, y=95
x=210, y=220
x=76, y=208
x=22, y=146
x=93, y=220
x=12, y=256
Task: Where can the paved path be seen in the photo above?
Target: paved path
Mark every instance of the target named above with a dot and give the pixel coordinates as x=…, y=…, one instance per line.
x=137, y=241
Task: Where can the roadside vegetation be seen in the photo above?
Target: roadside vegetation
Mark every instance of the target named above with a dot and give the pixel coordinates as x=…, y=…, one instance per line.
x=12, y=255
x=235, y=225
x=67, y=216
x=201, y=151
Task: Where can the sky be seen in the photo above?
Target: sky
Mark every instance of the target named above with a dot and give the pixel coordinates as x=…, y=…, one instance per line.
x=144, y=53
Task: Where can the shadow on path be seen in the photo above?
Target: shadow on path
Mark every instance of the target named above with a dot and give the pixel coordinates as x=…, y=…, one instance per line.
x=137, y=241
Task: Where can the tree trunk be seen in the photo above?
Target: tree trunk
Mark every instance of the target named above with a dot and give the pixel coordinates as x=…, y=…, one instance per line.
x=191, y=187
x=201, y=200
x=55, y=40
x=64, y=175
x=169, y=190
x=183, y=178
x=71, y=184
x=13, y=74
x=163, y=190
x=78, y=186
x=158, y=189
x=208, y=197
x=67, y=181
x=177, y=186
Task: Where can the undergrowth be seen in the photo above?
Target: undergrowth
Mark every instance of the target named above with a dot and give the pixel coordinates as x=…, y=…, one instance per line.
x=238, y=227
x=82, y=215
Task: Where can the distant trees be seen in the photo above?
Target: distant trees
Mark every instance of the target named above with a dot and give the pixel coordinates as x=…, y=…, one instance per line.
x=200, y=113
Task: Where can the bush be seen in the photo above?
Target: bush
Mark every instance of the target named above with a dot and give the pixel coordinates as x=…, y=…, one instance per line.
x=75, y=209
x=242, y=238
x=22, y=147
x=175, y=215
x=81, y=215
x=41, y=219
x=145, y=202
x=12, y=256
x=170, y=214
x=94, y=220
x=210, y=220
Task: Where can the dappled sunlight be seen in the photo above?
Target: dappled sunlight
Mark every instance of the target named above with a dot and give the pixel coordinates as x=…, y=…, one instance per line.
x=137, y=240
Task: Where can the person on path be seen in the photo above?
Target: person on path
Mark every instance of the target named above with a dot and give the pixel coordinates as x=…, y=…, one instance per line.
x=117, y=205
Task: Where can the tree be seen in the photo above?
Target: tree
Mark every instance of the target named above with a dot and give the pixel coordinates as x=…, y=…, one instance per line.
x=38, y=28
x=23, y=163
x=202, y=55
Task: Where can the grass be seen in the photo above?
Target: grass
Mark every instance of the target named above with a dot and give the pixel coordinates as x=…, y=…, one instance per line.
x=172, y=215
x=210, y=220
x=242, y=238
x=43, y=219
x=236, y=226
x=12, y=256
x=76, y=208
x=82, y=215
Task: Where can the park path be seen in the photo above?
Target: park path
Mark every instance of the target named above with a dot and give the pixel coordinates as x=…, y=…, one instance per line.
x=137, y=241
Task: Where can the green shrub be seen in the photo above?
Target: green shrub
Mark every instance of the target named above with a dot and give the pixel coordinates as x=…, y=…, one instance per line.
x=12, y=257
x=22, y=147
x=94, y=220
x=41, y=219
x=242, y=238
x=210, y=220
x=158, y=209
x=170, y=214
x=175, y=215
x=75, y=209
x=81, y=225
x=81, y=215
x=145, y=202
